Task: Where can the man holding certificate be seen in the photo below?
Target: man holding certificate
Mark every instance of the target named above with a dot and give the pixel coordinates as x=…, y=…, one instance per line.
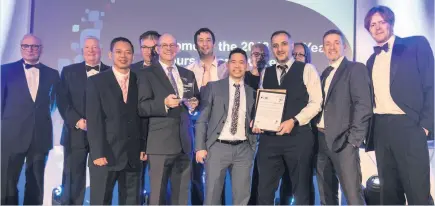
x=223, y=137
x=343, y=124
x=286, y=139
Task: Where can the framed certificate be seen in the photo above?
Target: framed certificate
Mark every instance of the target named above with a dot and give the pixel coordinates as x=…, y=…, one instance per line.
x=269, y=109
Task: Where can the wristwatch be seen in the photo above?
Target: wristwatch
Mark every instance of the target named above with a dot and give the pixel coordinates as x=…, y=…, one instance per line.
x=296, y=122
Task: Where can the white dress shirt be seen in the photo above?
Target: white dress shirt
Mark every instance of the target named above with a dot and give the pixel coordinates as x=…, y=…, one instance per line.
x=32, y=77
x=176, y=77
x=241, y=126
x=197, y=68
x=328, y=80
x=384, y=103
x=120, y=76
x=312, y=83
x=93, y=72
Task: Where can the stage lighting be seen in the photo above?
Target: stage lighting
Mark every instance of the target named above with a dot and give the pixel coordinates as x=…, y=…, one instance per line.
x=56, y=196
x=372, y=192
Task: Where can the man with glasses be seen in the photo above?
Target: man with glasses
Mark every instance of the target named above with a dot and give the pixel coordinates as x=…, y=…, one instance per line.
x=164, y=93
x=28, y=90
x=148, y=41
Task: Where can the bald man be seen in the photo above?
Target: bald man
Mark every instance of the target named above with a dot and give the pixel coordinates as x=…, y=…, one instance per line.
x=28, y=90
x=164, y=89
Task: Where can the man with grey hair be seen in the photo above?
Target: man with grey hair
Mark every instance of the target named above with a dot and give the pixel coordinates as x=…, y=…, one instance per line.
x=148, y=41
x=28, y=90
x=71, y=103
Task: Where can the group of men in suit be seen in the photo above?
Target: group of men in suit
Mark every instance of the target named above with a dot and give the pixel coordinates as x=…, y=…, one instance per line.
x=130, y=114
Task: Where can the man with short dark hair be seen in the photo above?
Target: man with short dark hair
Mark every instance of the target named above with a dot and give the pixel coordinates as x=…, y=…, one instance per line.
x=402, y=72
x=147, y=41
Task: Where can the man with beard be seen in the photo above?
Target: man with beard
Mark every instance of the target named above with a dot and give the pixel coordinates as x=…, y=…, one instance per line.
x=72, y=109
x=206, y=69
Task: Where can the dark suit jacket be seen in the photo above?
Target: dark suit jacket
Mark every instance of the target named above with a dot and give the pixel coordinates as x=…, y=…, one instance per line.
x=214, y=112
x=21, y=118
x=113, y=126
x=348, y=106
x=168, y=131
x=412, y=79
x=137, y=66
x=71, y=103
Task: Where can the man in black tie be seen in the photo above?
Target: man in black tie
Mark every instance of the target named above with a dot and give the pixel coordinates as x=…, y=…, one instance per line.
x=343, y=124
x=71, y=103
x=147, y=41
x=116, y=146
x=164, y=89
x=402, y=71
x=292, y=146
x=28, y=90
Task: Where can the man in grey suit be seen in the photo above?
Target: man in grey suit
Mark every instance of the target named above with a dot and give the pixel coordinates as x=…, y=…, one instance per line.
x=223, y=137
x=343, y=123
x=162, y=88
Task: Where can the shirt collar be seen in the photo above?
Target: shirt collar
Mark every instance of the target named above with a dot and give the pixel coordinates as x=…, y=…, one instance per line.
x=232, y=82
x=288, y=63
x=390, y=42
x=99, y=64
x=213, y=63
x=119, y=74
x=337, y=63
x=165, y=67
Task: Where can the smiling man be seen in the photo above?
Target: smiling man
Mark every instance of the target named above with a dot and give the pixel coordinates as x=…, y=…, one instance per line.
x=402, y=71
x=227, y=112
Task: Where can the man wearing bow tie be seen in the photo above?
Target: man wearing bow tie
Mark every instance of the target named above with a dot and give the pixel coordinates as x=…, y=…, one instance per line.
x=292, y=146
x=72, y=109
x=402, y=71
x=28, y=90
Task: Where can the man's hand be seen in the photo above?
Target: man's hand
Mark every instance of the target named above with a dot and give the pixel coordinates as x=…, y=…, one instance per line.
x=255, y=129
x=286, y=127
x=172, y=101
x=100, y=161
x=81, y=124
x=426, y=131
x=143, y=156
x=200, y=156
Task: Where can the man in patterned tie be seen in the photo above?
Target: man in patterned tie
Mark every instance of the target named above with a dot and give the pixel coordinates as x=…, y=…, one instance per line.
x=293, y=145
x=164, y=91
x=71, y=103
x=117, y=147
x=227, y=111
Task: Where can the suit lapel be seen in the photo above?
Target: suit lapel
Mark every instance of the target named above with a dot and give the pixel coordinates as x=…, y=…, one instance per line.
x=225, y=92
x=132, y=89
x=249, y=101
x=336, y=77
x=115, y=86
x=370, y=63
x=395, y=58
x=43, y=85
x=21, y=78
x=104, y=67
x=158, y=71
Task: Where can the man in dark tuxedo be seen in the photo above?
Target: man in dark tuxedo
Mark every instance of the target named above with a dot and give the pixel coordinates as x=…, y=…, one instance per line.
x=71, y=103
x=28, y=90
x=116, y=146
x=223, y=137
x=343, y=124
x=293, y=145
x=164, y=91
x=147, y=41
x=402, y=72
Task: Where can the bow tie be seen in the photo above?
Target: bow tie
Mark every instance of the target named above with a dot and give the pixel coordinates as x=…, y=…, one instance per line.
x=89, y=68
x=378, y=49
x=28, y=66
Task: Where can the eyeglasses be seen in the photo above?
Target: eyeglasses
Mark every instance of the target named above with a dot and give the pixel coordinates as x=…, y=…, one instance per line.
x=31, y=46
x=147, y=47
x=168, y=46
x=258, y=54
x=298, y=54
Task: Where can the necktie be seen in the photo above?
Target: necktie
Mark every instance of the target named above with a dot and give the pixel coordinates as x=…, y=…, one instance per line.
x=235, y=111
x=283, y=69
x=172, y=80
x=124, y=88
x=28, y=66
x=205, y=76
x=325, y=75
x=378, y=49
x=89, y=68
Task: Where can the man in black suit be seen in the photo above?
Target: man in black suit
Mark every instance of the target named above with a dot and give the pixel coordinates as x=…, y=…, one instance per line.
x=147, y=41
x=28, y=90
x=116, y=146
x=343, y=124
x=71, y=103
x=402, y=71
x=164, y=89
